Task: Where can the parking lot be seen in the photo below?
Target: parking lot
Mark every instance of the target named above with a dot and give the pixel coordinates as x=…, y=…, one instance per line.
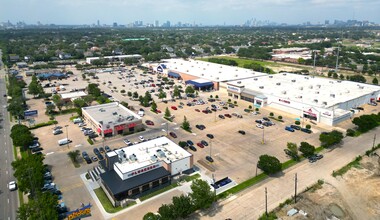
x=235, y=155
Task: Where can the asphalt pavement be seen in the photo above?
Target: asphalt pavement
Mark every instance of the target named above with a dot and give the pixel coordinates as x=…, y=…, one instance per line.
x=8, y=199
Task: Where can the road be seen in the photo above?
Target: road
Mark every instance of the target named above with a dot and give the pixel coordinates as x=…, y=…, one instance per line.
x=8, y=199
x=250, y=204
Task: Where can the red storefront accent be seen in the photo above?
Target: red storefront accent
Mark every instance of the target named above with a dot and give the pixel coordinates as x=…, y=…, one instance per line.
x=131, y=125
x=107, y=131
x=99, y=130
x=119, y=127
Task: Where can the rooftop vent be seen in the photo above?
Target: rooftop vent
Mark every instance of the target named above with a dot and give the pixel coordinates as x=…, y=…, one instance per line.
x=301, y=88
x=114, y=113
x=261, y=87
x=270, y=76
x=255, y=79
x=284, y=74
x=310, y=87
x=324, y=103
x=278, y=84
x=283, y=92
x=315, y=100
x=317, y=92
x=238, y=82
x=339, y=81
x=293, y=80
x=332, y=95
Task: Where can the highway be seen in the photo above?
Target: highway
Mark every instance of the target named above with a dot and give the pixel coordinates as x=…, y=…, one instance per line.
x=8, y=199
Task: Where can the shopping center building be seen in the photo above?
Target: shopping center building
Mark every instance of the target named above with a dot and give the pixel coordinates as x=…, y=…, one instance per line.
x=111, y=119
x=322, y=100
x=137, y=170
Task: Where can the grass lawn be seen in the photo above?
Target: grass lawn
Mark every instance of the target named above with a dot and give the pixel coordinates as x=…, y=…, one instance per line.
x=243, y=185
x=343, y=170
x=172, y=186
x=107, y=205
x=193, y=177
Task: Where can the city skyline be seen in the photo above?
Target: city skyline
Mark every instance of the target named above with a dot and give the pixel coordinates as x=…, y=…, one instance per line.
x=203, y=12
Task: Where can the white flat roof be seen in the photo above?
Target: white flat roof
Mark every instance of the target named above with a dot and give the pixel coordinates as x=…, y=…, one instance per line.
x=111, y=112
x=200, y=80
x=144, y=152
x=210, y=71
x=307, y=89
x=70, y=95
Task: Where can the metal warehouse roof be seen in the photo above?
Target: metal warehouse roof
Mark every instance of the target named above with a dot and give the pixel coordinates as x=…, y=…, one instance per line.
x=210, y=71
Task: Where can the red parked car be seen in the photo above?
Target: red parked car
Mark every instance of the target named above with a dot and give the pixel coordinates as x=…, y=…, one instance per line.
x=149, y=122
x=173, y=134
x=197, y=110
x=205, y=111
x=199, y=144
x=174, y=107
x=158, y=111
x=227, y=115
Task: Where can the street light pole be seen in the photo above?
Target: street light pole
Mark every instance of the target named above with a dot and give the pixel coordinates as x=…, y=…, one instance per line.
x=262, y=140
x=67, y=136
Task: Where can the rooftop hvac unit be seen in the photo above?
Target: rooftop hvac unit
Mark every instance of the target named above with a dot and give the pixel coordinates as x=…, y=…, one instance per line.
x=238, y=82
x=283, y=92
x=220, y=72
x=261, y=87
x=284, y=74
x=217, y=78
x=204, y=68
x=114, y=113
x=236, y=70
x=306, y=77
x=236, y=75
x=317, y=92
x=315, y=100
x=310, y=87
x=339, y=81
x=221, y=66
x=293, y=80
x=324, y=103
x=270, y=76
x=202, y=74
x=332, y=95
x=319, y=86
x=361, y=87
x=187, y=70
x=255, y=79
x=278, y=84
x=301, y=88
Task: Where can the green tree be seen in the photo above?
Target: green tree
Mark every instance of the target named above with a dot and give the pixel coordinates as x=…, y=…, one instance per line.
x=292, y=147
x=279, y=117
x=331, y=138
x=73, y=155
x=33, y=87
x=162, y=95
x=249, y=107
x=43, y=206
x=189, y=90
x=297, y=122
x=185, y=124
x=93, y=89
x=350, y=132
x=366, y=122
x=307, y=149
x=58, y=101
x=269, y=164
x=135, y=95
x=153, y=107
x=21, y=136
x=375, y=81
x=271, y=114
x=182, y=206
x=201, y=195
x=167, y=113
x=50, y=109
x=29, y=173
x=176, y=92
x=166, y=212
x=129, y=93
x=308, y=126
x=151, y=216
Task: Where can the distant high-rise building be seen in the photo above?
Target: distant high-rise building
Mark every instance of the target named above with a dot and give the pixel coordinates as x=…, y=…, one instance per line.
x=98, y=23
x=156, y=23
x=327, y=22
x=114, y=24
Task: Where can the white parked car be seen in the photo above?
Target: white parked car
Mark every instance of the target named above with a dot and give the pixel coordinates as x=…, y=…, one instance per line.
x=260, y=126
x=141, y=138
x=12, y=185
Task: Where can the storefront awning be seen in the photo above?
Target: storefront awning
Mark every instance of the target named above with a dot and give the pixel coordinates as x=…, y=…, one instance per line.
x=107, y=131
x=252, y=94
x=119, y=127
x=173, y=74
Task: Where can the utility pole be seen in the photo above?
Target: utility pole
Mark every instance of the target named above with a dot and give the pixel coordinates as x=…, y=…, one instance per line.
x=266, y=202
x=374, y=141
x=67, y=136
x=337, y=61
x=262, y=140
x=314, y=61
x=295, y=188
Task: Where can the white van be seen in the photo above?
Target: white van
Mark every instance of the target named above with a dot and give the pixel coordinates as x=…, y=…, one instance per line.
x=64, y=141
x=141, y=113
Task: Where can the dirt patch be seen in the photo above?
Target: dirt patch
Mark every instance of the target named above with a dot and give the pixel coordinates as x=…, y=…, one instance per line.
x=356, y=195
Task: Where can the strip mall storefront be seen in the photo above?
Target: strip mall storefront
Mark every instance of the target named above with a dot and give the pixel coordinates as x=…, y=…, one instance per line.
x=109, y=131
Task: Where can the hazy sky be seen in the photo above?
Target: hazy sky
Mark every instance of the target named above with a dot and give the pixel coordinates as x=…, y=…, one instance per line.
x=207, y=12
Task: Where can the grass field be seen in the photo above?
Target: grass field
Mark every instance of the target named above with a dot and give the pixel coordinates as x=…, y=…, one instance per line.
x=107, y=205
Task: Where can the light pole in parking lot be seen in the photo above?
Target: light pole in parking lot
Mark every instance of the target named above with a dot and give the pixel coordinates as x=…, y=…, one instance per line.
x=262, y=140
x=67, y=136
x=167, y=128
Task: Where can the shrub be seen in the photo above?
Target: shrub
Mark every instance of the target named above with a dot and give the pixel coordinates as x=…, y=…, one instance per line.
x=269, y=164
x=271, y=114
x=89, y=140
x=279, y=117
x=297, y=122
x=308, y=126
x=350, y=132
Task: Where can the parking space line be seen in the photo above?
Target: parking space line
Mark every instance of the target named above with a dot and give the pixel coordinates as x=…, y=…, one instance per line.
x=71, y=187
x=49, y=153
